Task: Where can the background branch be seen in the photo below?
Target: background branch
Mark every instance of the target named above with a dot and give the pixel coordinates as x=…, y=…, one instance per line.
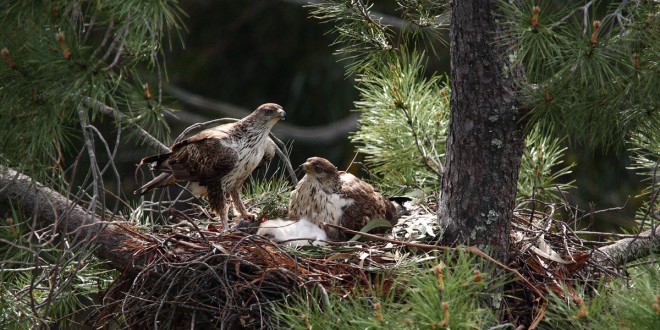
x=120, y=117
x=316, y=135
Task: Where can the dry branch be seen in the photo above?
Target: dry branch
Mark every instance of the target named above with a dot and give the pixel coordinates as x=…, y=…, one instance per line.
x=318, y=135
x=629, y=249
x=50, y=207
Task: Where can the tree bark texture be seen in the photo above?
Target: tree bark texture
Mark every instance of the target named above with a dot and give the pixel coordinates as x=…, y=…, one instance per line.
x=485, y=140
x=626, y=250
x=115, y=243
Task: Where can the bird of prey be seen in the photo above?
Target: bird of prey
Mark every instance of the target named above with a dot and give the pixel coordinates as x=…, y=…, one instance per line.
x=217, y=160
x=327, y=195
x=293, y=233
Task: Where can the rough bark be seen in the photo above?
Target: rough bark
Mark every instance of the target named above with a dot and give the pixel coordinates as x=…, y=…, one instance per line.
x=629, y=249
x=485, y=140
x=47, y=206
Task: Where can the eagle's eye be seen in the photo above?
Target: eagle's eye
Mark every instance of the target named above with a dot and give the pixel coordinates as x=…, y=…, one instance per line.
x=270, y=112
x=317, y=169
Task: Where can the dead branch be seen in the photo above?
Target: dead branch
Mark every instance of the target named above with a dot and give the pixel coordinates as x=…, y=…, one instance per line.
x=318, y=135
x=120, y=117
x=50, y=207
x=623, y=251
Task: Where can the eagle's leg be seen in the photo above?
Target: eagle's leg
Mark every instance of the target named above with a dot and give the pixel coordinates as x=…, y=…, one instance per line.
x=218, y=202
x=238, y=204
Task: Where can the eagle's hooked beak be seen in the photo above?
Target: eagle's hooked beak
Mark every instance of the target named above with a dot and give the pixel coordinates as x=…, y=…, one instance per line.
x=282, y=114
x=307, y=168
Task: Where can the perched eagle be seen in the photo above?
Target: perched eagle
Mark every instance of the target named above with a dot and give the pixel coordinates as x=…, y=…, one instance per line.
x=217, y=160
x=337, y=197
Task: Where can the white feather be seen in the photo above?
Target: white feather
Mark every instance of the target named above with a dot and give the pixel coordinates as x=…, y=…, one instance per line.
x=197, y=190
x=293, y=233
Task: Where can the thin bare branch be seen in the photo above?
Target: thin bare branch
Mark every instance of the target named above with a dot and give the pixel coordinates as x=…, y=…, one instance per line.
x=117, y=115
x=317, y=135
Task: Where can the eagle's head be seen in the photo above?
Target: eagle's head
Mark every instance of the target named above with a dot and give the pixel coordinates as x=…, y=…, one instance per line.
x=322, y=170
x=268, y=114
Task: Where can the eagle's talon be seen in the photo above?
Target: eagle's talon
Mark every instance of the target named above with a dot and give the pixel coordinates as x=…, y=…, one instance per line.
x=246, y=226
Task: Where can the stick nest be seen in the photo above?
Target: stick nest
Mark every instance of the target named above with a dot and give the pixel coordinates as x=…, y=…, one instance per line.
x=227, y=279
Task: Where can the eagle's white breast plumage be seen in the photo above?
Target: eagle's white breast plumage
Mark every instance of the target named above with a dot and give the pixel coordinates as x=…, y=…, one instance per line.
x=316, y=202
x=327, y=195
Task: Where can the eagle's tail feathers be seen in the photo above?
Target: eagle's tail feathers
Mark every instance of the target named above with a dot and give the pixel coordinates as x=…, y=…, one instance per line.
x=162, y=180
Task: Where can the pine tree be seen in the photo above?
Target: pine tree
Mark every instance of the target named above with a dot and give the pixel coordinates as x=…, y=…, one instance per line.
x=67, y=67
x=581, y=72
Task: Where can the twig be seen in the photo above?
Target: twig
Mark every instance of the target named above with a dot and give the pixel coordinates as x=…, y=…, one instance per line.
x=539, y=315
x=120, y=49
x=470, y=249
x=96, y=172
x=112, y=46
x=420, y=149
x=282, y=151
x=118, y=116
x=592, y=213
x=106, y=37
x=598, y=233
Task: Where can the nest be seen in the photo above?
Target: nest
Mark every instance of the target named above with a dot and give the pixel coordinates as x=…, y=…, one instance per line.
x=226, y=279
x=217, y=279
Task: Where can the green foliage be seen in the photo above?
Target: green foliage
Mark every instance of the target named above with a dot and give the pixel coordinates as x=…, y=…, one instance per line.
x=63, y=63
x=364, y=39
x=59, y=57
x=416, y=298
x=405, y=112
x=45, y=281
x=541, y=168
x=646, y=162
x=402, y=129
x=268, y=196
x=617, y=305
x=592, y=70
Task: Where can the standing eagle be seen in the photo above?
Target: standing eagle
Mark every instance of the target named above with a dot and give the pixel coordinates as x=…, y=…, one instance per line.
x=337, y=197
x=217, y=160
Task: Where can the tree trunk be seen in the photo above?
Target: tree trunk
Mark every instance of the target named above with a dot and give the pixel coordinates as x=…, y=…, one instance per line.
x=485, y=141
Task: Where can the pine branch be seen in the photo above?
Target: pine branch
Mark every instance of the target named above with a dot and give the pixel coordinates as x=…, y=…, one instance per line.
x=393, y=21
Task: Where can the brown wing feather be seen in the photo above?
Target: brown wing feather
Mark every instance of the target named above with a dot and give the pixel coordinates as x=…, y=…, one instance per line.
x=368, y=204
x=201, y=158
x=201, y=161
